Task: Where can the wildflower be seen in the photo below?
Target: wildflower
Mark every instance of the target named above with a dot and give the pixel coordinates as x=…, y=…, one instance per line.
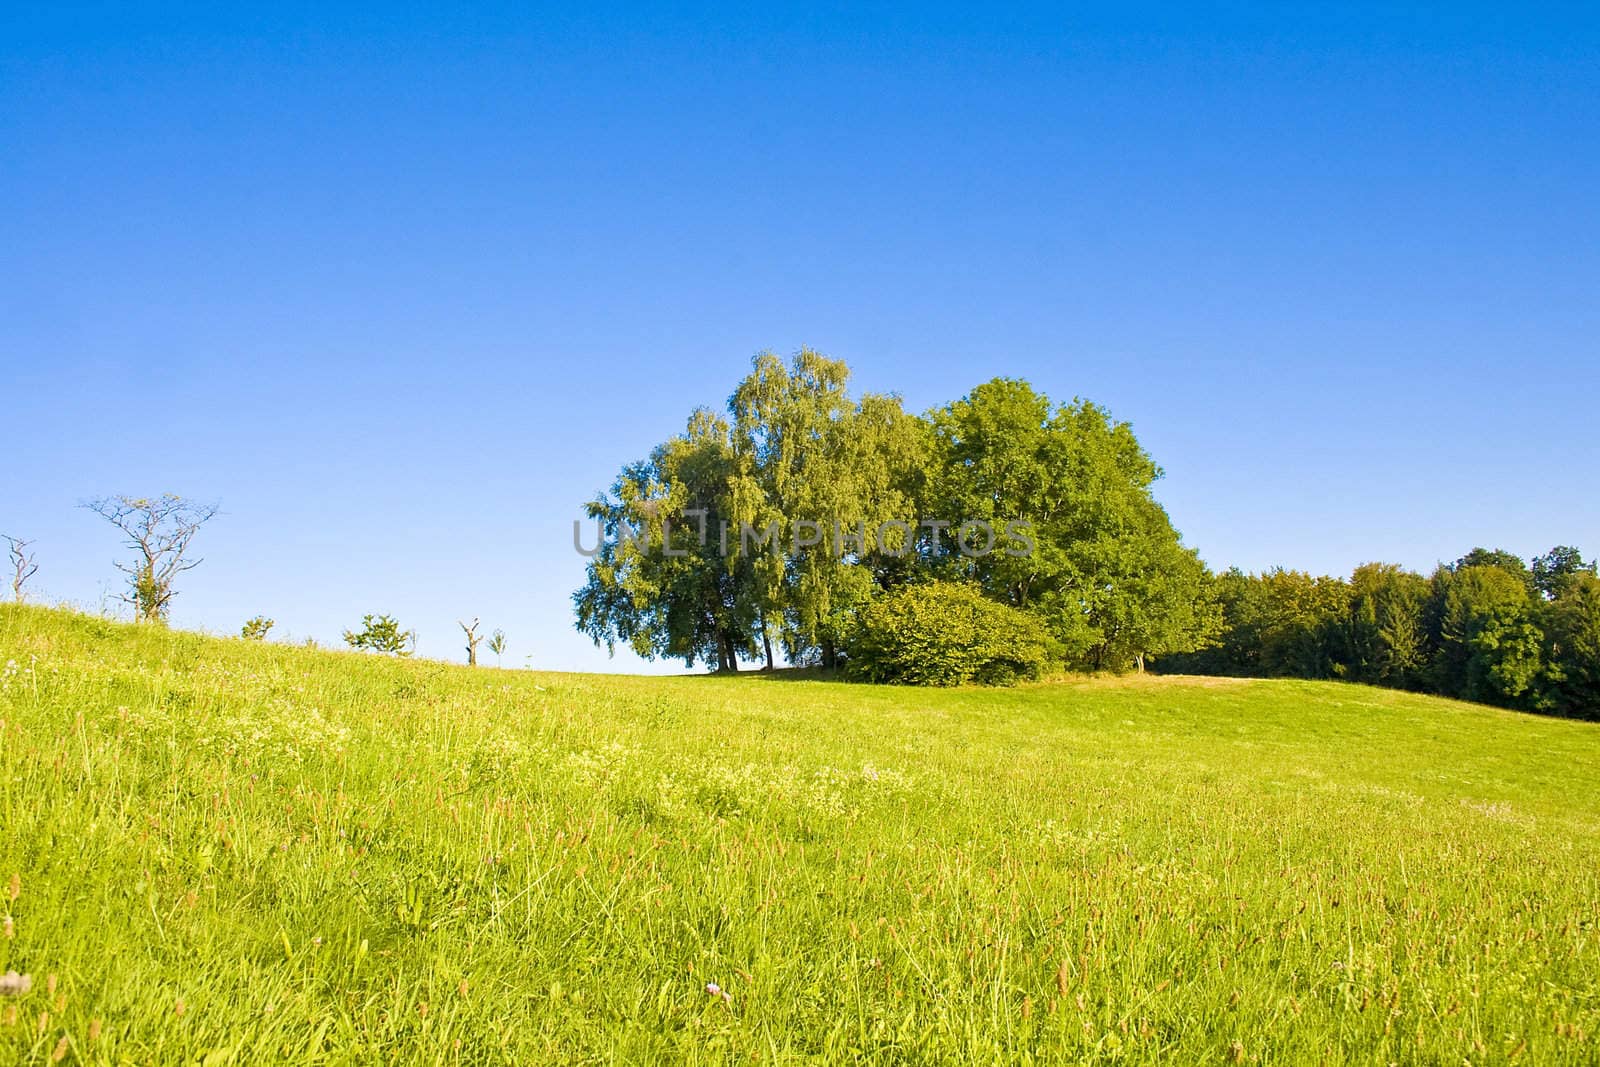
x=179, y=1008
x=60, y=1052
x=10, y=927
x=717, y=991
x=13, y=984
x=94, y=1030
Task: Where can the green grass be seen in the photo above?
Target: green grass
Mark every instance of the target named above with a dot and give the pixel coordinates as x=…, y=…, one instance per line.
x=231, y=852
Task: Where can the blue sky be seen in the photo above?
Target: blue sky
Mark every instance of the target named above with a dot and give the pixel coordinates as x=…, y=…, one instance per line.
x=402, y=288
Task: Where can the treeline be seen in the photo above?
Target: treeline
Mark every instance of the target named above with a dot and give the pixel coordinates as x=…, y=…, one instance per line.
x=1488, y=627
x=1042, y=510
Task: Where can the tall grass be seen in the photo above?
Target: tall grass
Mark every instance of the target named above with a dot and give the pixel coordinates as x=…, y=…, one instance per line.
x=235, y=852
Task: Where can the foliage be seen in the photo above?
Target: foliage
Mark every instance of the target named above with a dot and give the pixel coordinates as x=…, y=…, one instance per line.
x=1571, y=651
x=849, y=497
x=255, y=629
x=1485, y=628
x=382, y=634
x=1383, y=634
x=1487, y=647
x=945, y=633
x=1107, y=570
x=233, y=852
x=1556, y=570
x=655, y=584
x=809, y=453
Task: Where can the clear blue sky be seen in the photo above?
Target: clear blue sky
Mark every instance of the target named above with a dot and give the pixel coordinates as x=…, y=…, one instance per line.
x=402, y=289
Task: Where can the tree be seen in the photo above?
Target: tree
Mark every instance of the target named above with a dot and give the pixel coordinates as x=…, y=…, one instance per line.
x=735, y=535
x=827, y=472
x=497, y=645
x=1487, y=647
x=1106, y=568
x=1571, y=627
x=1384, y=638
x=1556, y=569
x=159, y=530
x=256, y=629
x=1282, y=623
x=382, y=634
x=1509, y=562
x=473, y=638
x=23, y=564
x=660, y=582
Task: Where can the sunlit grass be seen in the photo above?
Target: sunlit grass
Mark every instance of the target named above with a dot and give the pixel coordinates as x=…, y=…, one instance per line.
x=232, y=852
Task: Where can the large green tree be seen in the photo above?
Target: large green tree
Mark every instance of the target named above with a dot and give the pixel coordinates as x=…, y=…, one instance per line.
x=1571, y=628
x=1486, y=646
x=1385, y=641
x=1102, y=563
x=660, y=583
x=818, y=477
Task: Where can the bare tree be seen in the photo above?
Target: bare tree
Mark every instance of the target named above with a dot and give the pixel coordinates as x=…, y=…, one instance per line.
x=473, y=637
x=23, y=565
x=159, y=531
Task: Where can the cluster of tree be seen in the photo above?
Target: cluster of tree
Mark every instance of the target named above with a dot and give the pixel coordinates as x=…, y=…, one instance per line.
x=1488, y=627
x=885, y=497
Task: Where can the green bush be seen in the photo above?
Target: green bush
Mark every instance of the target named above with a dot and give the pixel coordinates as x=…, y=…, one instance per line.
x=945, y=633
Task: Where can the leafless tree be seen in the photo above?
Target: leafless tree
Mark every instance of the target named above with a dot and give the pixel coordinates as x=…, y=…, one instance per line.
x=23, y=565
x=473, y=637
x=158, y=530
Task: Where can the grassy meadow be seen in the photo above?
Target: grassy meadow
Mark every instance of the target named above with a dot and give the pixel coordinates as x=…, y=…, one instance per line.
x=215, y=851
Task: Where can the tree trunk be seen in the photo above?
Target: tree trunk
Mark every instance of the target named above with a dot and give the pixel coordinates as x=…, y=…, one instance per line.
x=766, y=640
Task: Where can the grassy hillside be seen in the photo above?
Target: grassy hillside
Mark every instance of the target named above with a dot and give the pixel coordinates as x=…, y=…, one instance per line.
x=230, y=852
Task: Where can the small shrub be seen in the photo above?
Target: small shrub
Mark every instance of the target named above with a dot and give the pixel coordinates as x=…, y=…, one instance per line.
x=255, y=629
x=382, y=634
x=945, y=633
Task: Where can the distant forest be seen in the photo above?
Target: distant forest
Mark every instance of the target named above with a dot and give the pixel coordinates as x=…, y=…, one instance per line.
x=1488, y=627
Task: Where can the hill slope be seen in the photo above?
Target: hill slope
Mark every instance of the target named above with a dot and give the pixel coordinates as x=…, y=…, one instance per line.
x=251, y=852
